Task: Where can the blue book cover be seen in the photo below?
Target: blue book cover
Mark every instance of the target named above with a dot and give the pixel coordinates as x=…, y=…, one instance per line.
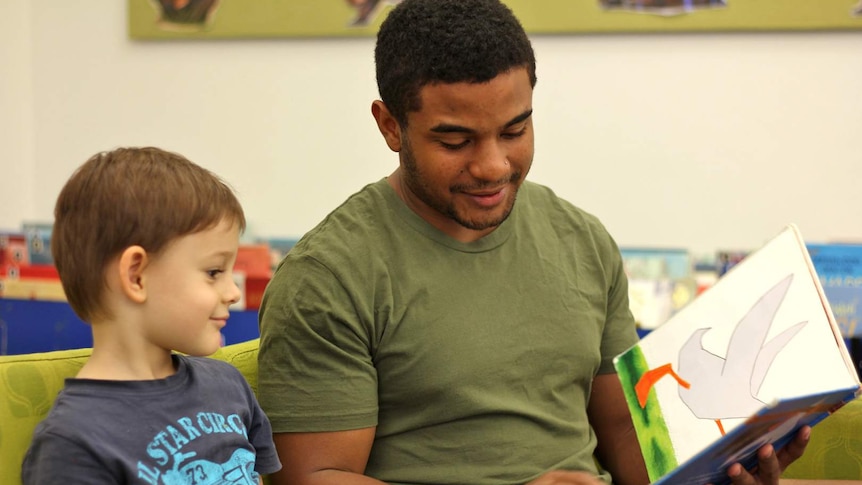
x=774, y=424
x=839, y=267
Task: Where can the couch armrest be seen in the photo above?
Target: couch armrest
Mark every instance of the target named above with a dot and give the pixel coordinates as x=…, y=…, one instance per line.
x=29, y=384
x=835, y=449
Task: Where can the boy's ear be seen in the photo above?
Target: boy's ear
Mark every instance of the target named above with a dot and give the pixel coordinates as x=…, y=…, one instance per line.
x=133, y=261
x=387, y=124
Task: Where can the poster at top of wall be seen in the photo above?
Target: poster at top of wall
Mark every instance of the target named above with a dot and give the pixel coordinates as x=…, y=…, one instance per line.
x=662, y=7
x=201, y=19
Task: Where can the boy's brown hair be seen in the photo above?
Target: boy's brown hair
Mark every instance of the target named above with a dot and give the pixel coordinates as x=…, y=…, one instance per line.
x=130, y=196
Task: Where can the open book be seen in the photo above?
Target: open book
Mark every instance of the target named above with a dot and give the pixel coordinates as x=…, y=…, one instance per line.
x=748, y=362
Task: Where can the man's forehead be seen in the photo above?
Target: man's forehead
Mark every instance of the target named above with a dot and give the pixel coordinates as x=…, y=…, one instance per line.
x=450, y=107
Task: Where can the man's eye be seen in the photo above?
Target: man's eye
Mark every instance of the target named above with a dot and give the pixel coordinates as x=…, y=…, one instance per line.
x=515, y=134
x=454, y=146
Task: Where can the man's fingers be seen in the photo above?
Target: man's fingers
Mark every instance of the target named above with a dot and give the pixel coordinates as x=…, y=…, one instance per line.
x=770, y=464
x=738, y=475
x=795, y=448
x=768, y=467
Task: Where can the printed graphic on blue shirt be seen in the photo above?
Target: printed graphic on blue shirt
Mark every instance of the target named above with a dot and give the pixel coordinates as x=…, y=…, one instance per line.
x=172, y=459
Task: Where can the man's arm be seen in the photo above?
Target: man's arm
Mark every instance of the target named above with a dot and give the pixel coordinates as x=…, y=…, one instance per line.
x=617, y=450
x=337, y=457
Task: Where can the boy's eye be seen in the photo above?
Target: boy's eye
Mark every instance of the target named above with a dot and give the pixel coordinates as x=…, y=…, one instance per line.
x=214, y=273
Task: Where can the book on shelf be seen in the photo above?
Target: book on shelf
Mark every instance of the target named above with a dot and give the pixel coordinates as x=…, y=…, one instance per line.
x=725, y=260
x=13, y=252
x=251, y=273
x=748, y=362
x=38, y=236
x=46, y=289
x=661, y=281
x=839, y=266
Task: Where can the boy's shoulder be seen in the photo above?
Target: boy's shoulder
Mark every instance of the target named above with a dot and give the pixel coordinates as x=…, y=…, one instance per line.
x=210, y=367
x=208, y=373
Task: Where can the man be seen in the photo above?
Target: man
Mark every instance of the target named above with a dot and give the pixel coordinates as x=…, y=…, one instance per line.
x=452, y=323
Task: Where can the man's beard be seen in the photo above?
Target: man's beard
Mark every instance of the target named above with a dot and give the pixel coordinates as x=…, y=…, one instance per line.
x=414, y=182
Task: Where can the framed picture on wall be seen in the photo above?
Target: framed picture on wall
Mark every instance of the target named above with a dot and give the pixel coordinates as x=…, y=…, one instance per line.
x=172, y=19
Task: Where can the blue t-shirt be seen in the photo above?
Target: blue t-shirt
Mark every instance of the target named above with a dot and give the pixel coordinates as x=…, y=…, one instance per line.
x=201, y=425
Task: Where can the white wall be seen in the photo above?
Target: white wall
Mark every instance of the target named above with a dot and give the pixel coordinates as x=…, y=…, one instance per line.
x=17, y=189
x=701, y=141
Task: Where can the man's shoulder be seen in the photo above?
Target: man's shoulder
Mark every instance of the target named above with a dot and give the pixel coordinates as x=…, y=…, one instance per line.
x=541, y=199
x=356, y=219
x=369, y=194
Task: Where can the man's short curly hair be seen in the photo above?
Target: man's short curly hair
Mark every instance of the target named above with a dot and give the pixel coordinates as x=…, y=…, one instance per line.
x=424, y=42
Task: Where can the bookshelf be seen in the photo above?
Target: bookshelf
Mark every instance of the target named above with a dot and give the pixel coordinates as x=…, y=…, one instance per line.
x=28, y=326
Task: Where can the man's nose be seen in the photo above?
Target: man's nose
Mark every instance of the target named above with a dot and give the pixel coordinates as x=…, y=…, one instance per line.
x=490, y=161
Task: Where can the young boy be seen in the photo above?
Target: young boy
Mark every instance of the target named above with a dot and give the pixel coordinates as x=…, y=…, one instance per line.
x=144, y=241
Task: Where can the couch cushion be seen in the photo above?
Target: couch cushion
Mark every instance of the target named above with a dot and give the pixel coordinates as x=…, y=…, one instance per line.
x=28, y=385
x=835, y=449
x=243, y=356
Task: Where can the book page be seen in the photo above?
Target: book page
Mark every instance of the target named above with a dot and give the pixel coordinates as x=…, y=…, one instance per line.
x=760, y=334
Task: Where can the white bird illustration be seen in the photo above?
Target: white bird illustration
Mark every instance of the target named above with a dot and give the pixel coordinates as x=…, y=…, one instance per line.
x=716, y=387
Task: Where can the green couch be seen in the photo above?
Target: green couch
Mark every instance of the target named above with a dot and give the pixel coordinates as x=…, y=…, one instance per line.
x=29, y=383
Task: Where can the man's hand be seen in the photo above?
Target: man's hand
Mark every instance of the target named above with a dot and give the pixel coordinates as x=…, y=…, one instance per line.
x=770, y=465
x=560, y=477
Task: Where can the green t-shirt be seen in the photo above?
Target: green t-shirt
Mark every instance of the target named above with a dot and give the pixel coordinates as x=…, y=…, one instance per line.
x=474, y=360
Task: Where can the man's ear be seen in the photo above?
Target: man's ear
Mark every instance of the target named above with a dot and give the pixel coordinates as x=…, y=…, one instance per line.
x=387, y=124
x=133, y=260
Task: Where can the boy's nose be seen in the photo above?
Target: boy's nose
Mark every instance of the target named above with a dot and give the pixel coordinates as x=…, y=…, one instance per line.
x=234, y=292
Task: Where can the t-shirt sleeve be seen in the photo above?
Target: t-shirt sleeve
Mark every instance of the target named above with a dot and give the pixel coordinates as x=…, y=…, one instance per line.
x=260, y=435
x=53, y=459
x=315, y=364
x=620, y=332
